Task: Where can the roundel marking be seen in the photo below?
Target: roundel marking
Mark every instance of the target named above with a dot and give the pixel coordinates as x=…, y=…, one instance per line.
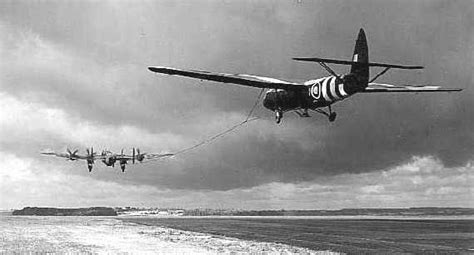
x=316, y=90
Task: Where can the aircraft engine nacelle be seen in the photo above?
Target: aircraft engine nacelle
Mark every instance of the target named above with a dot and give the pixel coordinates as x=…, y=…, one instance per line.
x=123, y=163
x=140, y=157
x=90, y=164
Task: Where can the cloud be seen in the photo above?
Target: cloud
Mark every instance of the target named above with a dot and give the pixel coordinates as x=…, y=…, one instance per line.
x=423, y=181
x=39, y=70
x=26, y=123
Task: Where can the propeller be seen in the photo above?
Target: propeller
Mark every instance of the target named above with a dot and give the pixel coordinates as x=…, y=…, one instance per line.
x=72, y=154
x=133, y=155
x=90, y=158
x=90, y=155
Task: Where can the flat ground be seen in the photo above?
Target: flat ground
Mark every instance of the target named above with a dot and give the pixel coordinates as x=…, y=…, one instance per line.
x=344, y=235
x=109, y=235
x=81, y=235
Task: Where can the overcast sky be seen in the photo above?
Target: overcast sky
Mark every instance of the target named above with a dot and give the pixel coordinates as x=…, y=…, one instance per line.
x=74, y=74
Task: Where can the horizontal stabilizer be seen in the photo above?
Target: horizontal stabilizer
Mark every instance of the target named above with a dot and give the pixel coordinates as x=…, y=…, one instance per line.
x=345, y=62
x=379, y=87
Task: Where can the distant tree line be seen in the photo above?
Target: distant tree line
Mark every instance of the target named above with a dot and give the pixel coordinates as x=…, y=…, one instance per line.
x=47, y=211
x=107, y=211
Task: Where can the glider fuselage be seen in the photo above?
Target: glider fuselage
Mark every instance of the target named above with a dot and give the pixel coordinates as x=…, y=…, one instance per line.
x=318, y=93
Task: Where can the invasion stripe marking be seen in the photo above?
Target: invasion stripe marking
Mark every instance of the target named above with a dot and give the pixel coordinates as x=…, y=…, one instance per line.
x=325, y=90
x=338, y=92
x=341, y=89
x=332, y=86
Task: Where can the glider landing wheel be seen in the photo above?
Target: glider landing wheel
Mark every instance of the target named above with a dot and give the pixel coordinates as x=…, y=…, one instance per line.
x=332, y=116
x=278, y=116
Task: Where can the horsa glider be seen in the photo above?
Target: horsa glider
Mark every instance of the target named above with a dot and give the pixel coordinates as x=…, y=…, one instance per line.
x=107, y=157
x=283, y=96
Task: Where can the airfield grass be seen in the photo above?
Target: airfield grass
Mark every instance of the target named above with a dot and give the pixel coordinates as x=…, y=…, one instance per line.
x=353, y=236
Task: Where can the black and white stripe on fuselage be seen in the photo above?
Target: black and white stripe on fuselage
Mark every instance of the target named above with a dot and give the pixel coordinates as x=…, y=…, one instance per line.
x=327, y=90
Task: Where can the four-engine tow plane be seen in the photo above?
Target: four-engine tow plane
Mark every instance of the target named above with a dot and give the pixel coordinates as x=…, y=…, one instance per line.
x=107, y=157
x=283, y=96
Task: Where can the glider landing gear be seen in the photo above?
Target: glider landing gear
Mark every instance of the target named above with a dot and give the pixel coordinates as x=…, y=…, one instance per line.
x=330, y=114
x=278, y=116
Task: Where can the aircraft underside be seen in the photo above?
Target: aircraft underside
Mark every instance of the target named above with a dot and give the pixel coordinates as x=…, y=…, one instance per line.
x=317, y=94
x=284, y=101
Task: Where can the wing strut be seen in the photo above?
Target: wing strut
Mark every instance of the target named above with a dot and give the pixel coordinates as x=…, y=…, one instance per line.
x=380, y=74
x=329, y=70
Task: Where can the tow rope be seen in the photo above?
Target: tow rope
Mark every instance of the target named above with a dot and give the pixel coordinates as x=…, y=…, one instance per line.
x=247, y=120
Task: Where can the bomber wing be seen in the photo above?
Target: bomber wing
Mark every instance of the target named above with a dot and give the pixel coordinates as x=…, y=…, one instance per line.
x=379, y=87
x=146, y=157
x=123, y=157
x=157, y=156
x=70, y=155
x=241, y=79
x=61, y=155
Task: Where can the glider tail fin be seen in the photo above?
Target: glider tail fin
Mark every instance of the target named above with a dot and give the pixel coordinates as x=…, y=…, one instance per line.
x=361, y=55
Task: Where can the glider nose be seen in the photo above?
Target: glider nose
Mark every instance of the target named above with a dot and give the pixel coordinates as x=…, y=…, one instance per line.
x=269, y=101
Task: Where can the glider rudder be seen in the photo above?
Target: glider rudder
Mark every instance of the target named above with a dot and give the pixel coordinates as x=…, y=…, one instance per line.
x=361, y=55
